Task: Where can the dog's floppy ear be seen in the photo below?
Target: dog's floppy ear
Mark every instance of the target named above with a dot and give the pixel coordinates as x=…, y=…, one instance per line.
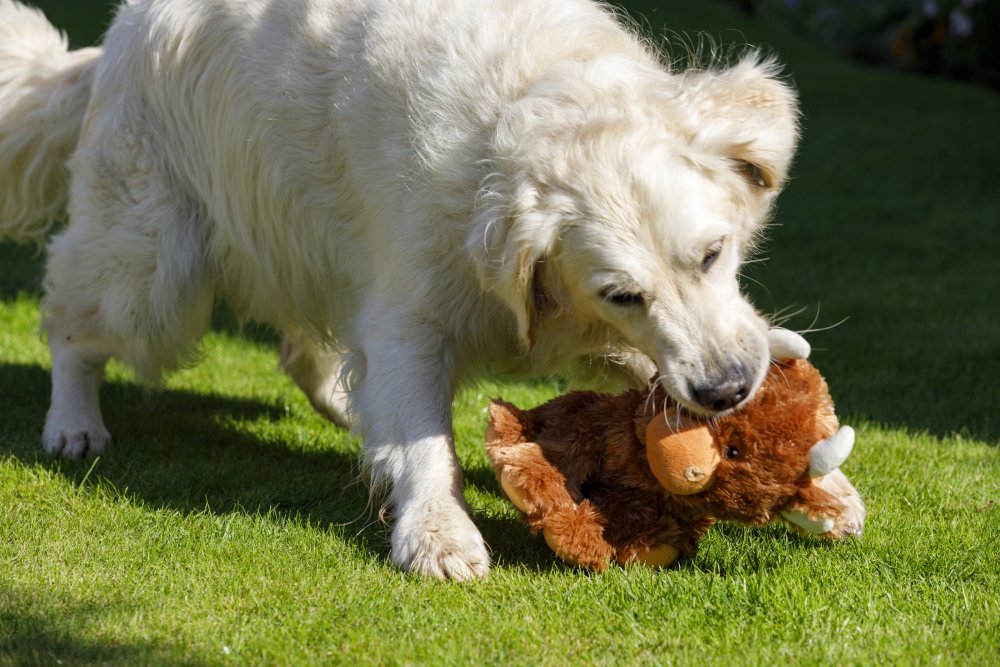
x=745, y=112
x=511, y=236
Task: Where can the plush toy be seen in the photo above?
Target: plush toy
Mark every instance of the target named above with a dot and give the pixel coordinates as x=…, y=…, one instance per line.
x=631, y=478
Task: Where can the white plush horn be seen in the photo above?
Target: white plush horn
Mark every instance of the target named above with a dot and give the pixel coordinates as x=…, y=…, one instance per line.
x=786, y=345
x=827, y=455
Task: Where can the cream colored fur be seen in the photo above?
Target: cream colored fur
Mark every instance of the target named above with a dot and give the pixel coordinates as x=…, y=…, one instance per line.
x=416, y=191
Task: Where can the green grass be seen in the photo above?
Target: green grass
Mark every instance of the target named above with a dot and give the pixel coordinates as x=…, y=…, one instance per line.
x=226, y=526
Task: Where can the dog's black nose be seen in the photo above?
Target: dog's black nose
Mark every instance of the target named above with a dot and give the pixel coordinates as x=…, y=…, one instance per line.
x=727, y=391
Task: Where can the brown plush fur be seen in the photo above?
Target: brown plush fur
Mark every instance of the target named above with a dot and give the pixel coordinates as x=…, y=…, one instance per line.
x=579, y=463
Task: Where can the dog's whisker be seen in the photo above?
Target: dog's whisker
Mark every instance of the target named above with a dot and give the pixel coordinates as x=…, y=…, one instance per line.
x=754, y=280
x=652, y=392
x=826, y=328
x=781, y=369
x=783, y=315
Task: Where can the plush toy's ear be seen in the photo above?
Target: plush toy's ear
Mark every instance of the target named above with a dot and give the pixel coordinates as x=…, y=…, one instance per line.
x=681, y=453
x=507, y=425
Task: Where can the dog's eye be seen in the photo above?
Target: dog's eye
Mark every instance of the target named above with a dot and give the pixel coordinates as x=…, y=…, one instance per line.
x=624, y=299
x=732, y=452
x=711, y=255
x=754, y=174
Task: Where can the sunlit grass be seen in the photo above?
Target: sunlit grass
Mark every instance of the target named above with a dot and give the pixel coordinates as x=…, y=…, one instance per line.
x=227, y=524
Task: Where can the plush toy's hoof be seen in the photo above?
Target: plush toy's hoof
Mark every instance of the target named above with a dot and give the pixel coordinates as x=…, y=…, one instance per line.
x=513, y=493
x=657, y=555
x=558, y=549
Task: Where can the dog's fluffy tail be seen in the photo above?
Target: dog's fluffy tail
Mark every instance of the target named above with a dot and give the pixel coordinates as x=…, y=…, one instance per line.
x=44, y=91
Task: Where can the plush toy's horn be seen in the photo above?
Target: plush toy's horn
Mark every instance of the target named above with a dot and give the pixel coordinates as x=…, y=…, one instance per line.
x=827, y=455
x=786, y=345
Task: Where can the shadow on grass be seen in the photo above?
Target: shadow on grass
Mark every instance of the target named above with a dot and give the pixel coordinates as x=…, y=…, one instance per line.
x=193, y=452
x=732, y=548
x=22, y=270
x=27, y=638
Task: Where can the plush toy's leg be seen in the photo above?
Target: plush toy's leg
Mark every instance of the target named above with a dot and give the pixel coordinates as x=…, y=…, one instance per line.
x=851, y=521
x=533, y=485
x=574, y=531
x=576, y=535
x=830, y=507
x=657, y=542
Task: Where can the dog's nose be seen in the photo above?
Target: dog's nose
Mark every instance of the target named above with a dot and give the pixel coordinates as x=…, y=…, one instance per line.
x=726, y=392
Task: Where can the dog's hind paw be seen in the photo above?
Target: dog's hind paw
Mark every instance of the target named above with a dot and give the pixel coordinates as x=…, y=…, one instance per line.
x=75, y=441
x=439, y=541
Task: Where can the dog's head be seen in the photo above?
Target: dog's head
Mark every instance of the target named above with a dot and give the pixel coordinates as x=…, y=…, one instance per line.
x=626, y=199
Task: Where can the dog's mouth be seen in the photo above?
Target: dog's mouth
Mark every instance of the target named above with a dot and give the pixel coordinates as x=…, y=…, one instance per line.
x=699, y=412
x=725, y=393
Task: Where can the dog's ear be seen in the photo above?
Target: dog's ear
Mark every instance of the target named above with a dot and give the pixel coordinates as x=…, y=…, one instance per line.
x=745, y=112
x=511, y=236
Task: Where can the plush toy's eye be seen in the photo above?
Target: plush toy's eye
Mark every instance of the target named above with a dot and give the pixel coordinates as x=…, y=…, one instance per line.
x=732, y=452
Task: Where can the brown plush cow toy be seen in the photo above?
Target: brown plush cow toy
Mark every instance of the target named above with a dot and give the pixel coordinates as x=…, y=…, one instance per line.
x=629, y=478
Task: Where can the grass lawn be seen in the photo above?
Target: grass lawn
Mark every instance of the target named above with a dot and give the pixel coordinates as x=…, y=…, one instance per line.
x=226, y=526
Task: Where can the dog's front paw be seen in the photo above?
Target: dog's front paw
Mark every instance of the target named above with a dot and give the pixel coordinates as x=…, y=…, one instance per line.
x=439, y=540
x=74, y=439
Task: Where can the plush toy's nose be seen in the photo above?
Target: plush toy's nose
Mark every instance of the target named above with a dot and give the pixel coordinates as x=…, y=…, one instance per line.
x=726, y=391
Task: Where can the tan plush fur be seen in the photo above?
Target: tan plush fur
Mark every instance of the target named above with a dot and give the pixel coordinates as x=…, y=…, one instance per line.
x=579, y=465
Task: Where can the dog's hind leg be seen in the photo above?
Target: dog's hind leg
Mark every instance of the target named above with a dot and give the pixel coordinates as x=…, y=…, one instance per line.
x=127, y=278
x=318, y=372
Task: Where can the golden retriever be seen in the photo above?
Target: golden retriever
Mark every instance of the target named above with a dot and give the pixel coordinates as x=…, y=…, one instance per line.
x=414, y=191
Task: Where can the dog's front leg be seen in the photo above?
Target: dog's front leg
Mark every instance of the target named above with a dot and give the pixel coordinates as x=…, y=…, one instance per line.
x=403, y=404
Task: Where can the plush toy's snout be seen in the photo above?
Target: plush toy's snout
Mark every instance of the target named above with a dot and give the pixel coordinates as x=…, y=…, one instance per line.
x=682, y=457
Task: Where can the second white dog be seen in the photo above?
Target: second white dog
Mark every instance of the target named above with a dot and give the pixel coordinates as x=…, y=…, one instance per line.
x=415, y=191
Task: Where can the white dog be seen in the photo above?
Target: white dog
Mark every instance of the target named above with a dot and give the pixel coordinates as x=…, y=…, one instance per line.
x=414, y=191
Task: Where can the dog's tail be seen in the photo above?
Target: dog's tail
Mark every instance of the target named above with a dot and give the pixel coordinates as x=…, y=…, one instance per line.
x=44, y=92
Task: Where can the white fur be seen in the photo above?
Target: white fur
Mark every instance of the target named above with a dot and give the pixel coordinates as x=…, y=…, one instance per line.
x=417, y=191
